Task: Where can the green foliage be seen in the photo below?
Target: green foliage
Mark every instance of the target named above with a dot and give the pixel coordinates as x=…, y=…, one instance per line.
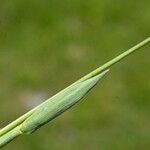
x=59, y=103
x=40, y=40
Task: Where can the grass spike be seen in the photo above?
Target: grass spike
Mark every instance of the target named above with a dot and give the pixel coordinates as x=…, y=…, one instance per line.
x=60, y=102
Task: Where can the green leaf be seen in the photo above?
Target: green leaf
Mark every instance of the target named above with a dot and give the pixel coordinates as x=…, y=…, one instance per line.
x=59, y=103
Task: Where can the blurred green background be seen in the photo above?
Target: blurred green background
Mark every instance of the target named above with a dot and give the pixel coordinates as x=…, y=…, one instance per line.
x=46, y=45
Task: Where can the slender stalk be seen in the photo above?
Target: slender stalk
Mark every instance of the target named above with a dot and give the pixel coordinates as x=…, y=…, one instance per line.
x=115, y=60
x=13, y=129
x=8, y=137
x=95, y=72
x=15, y=123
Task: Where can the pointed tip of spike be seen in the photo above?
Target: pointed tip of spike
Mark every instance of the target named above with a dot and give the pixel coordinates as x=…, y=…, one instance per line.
x=106, y=71
x=102, y=74
x=97, y=77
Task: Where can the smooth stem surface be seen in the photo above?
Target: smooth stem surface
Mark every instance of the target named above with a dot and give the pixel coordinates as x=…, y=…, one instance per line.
x=15, y=123
x=8, y=137
x=115, y=60
x=95, y=72
x=12, y=128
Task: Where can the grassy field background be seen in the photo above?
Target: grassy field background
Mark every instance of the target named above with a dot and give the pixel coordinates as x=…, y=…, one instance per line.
x=47, y=45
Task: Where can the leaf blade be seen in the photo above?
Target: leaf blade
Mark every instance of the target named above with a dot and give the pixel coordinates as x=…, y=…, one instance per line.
x=59, y=103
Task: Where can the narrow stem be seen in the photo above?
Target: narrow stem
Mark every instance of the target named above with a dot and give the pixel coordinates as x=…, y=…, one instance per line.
x=15, y=123
x=13, y=128
x=115, y=60
x=9, y=136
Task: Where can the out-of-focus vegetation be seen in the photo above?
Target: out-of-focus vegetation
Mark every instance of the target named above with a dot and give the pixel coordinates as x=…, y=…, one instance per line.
x=46, y=45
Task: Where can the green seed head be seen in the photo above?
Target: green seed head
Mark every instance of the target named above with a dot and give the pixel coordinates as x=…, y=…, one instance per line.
x=59, y=103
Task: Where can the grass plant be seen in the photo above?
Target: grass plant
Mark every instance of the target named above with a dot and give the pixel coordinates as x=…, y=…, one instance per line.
x=59, y=103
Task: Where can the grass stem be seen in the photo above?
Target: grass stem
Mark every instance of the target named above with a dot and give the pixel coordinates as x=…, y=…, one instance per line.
x=12, y=130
